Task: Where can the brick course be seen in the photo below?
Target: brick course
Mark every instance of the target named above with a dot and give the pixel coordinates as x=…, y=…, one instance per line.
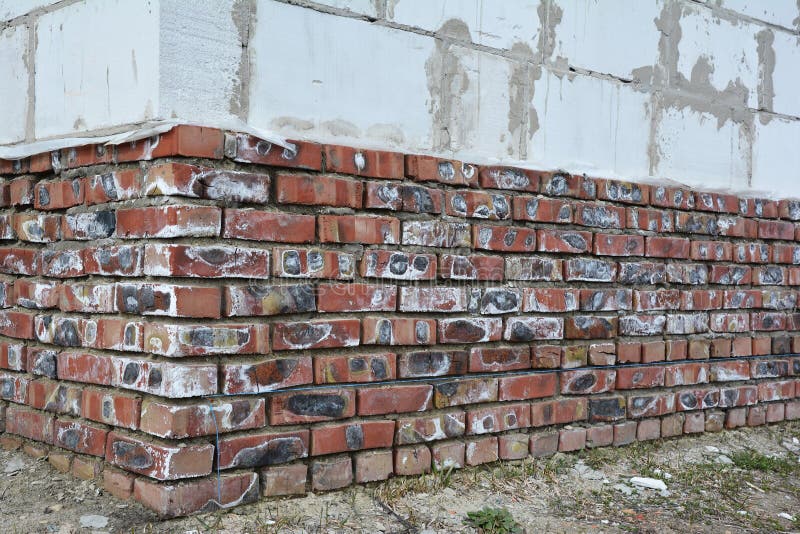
x=384, y=313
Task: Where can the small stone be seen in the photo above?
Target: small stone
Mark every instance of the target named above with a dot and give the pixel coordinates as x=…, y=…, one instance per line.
x=627, y=490
x=93, y=521
x=15, y=464
x=650, y=483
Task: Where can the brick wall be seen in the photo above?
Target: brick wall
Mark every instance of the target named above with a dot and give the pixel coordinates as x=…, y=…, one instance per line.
x=343, y=316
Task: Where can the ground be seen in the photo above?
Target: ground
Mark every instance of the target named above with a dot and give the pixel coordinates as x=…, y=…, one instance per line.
x=746, y=480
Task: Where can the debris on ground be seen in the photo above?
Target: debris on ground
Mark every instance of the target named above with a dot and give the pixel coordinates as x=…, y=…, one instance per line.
x=664, y=486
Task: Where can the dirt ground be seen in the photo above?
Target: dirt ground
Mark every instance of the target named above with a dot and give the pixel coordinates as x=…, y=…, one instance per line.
x=737, y=481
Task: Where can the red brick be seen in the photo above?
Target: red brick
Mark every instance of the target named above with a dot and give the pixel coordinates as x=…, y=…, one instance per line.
x=414, y=460
x=504, y=238
x=36, y=227
x=509, y=178
x=599, y=215
x=114, y=186
x=31, y=424
x=287, y=479
x=165, y=378
x=87, y=298
x=202, y=495
x=564, y=241
x=312, y=263
x=180, y=179
x=178, y=340
x=427, y=363
x=431, y=169
x=360, y=162
x=123, y=260
x=672, y=197
x=436, y=299
x=711, y=251
x=373, y=466
x=353, y=436
x=776, y=230
x=653, y=220
x=571, y=185
x=403, y=197
x=59, y=194
x=544, y=444
x=255, y=450
x=265, y=375
x=450, y=454
x=587, y=381
x=752, y=253
x=469, y=330
x=590, y=327
x=430, y=427
x=618, y=245
x=352, y=297
x=205, y=261
x=472, y=267
x=118, y=483
x=316, y=334
x=358, y=229
x=540, y=209
x=249, y=149
x=498, y=359
x=648, y=429
x=465, y=391
x=169, y=221
x=169, y=300
x=267, y=299
x=395, y=399
x=571, y=439
x=398, y=331
x=318, y=190
x=177, y=421
x=640, y=377
x=549, y=300
x=481, y=451
x=79, y=437
x=398, y=265
x=269, y=226
x=478, y=204
x=302, y=407
x=667, y=247
x=437, y=234
x=354, y=368
x=182, y=140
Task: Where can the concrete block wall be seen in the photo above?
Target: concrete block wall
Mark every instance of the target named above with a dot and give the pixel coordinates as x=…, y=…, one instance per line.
x=203, y=318
x=702, y=93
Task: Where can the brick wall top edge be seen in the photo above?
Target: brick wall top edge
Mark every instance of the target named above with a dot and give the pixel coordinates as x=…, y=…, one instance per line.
x=212, y=143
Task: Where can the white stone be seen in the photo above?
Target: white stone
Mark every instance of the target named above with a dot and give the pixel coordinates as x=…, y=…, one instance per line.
x=590, y=125
x=362, y=7
x=93, y=521
x=784, y=13
x=615, y=37
x=649, y=483
x=88, y=80
x=14, y=88
x=729, y=48
x=695, y=150
x=335, y=77
x=498, y=24
x=775, y=155
x=786, y=75
x=10, y=9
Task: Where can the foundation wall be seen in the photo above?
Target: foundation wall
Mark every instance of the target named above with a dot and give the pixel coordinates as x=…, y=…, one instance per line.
x=205, y=302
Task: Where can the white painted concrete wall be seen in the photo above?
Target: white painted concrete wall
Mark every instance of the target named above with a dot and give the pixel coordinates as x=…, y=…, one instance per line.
x=703, y=93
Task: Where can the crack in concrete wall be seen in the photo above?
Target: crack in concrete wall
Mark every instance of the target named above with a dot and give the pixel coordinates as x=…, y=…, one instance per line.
x=243, y=15
x=448, y=82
